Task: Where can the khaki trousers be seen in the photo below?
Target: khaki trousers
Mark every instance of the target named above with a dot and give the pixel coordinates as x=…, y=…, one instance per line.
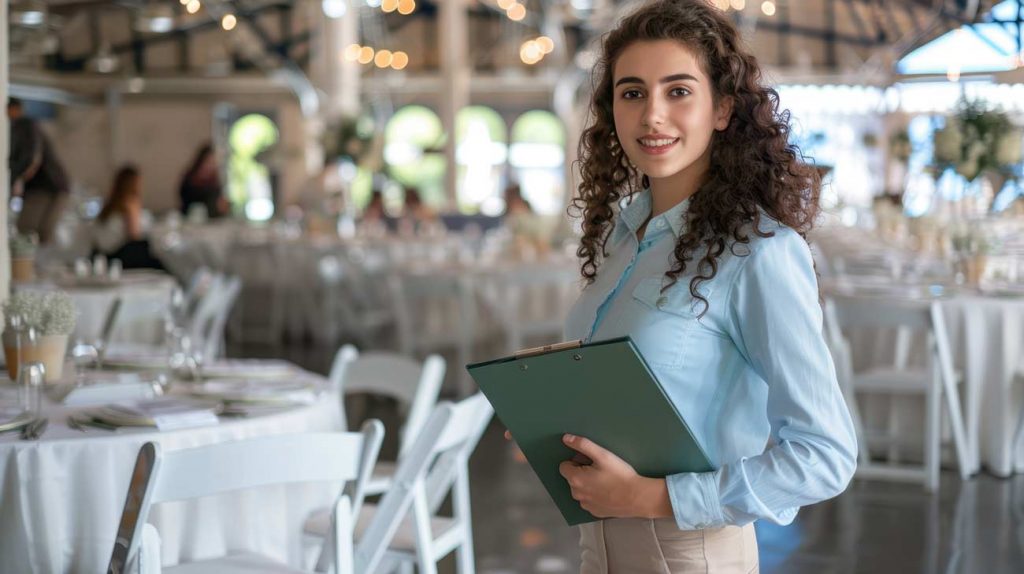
x=643, y=546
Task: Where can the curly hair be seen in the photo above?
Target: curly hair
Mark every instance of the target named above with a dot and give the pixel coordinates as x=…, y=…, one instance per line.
x=754, y=169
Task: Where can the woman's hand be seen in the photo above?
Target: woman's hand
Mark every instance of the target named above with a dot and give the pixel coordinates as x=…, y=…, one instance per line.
x=608, y=487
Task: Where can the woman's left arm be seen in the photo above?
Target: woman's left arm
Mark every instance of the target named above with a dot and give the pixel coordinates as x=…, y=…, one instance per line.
x=777, y=325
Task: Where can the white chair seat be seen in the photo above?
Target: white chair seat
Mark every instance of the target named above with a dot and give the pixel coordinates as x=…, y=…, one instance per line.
x=404, y=539
x=894, y=381
x=241, y=563
x=380, y=482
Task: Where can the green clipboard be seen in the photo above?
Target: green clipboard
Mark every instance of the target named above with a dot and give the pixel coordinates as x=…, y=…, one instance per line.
x=603, y=391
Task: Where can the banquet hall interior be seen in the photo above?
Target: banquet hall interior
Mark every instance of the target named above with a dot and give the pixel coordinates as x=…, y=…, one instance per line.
x=252, y=246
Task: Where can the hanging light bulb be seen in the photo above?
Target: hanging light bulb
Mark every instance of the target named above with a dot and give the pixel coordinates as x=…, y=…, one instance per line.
x=505, y=4
x=365, y=55
x=399, y=60
x=516, y=12
x=546, y=44
x=193, y=6
x=389, y=5
x=768, y=7
x=530, y=53
x=228, y=22
x=383, y=58
x=406, y=7
x=738, y=4
x=352, y=52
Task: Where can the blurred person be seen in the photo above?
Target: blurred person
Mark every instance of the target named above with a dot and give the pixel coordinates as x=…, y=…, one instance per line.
x=37, y=175
x=119, y=230
x=515, y=203
x=201, y=184
x=417, y=216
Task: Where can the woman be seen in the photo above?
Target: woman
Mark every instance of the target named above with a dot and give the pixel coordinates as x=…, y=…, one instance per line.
x=118, y=232
x=201, y=185
x=704, y=263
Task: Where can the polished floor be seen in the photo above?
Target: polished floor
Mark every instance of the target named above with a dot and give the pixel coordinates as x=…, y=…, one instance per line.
x=975, y=527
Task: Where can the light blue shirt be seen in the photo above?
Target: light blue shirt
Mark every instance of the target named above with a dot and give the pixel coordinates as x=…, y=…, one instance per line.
x=753, y=368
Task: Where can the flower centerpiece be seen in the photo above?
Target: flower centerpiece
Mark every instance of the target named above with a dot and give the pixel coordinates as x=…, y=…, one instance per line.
x=51, y=317
x=23, y=257
x=978, y=141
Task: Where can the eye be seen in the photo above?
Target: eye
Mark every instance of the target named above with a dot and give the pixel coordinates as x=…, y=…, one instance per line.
x=631, y=94
x=679, y=92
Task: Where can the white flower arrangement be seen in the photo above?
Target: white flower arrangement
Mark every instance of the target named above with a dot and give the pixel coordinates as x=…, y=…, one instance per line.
x=976, y=141
x=50, y=313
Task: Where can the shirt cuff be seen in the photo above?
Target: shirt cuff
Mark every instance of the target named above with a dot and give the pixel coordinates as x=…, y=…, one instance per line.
x=695, y=500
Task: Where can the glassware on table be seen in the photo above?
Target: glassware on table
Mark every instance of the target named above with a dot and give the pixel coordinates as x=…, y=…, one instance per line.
x=99, y=265
x=84, y=355
x=115, y=269
x=82, y=267
x=30, y=385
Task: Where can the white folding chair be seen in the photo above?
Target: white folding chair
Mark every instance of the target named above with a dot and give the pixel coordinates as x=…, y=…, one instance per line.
x=435, y=312
x=937, y=380
x=413, y=385
x=206, y=326
x=224, y=467
x=531, y=302
x=405, y=527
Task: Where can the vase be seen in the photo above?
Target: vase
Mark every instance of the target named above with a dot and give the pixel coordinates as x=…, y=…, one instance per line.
x=48, y=350
x=23, y=269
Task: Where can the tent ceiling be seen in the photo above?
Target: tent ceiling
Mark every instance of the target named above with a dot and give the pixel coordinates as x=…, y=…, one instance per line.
x=810, y=35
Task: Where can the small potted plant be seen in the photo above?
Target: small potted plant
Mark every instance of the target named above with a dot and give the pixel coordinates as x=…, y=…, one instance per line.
x=23, y=257
x=50, y=317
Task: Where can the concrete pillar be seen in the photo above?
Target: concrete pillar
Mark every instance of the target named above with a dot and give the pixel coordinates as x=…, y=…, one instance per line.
x=5, y=178
x=335, y=77
x=453, y=33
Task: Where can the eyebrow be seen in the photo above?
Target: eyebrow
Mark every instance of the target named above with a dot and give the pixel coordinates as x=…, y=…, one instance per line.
x=665, y=80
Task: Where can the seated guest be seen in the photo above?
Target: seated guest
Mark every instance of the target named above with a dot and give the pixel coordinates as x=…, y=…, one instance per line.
x=417, y=216
x=118, y=231
x=201, y=185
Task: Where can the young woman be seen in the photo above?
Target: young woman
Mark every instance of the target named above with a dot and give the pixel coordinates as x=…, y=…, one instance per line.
x=118, y=232
x=695, y=209
x=201, y=184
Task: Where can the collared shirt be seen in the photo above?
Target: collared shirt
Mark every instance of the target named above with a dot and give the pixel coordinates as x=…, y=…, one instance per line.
x=750, y=366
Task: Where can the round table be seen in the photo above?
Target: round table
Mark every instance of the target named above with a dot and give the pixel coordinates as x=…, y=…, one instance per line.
x=61, y=496
x=144, y=294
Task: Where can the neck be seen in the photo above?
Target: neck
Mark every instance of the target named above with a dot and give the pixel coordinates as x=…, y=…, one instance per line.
x=667, y=192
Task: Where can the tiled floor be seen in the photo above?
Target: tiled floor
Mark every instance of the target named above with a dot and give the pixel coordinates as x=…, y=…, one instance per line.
x=873, y=528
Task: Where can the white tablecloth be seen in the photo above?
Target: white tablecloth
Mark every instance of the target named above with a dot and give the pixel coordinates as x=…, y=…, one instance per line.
x=61, y=497
x=144, y=295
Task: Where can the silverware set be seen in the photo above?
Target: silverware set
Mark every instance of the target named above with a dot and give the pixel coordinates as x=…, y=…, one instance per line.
x=34, y=429
x=80, y=424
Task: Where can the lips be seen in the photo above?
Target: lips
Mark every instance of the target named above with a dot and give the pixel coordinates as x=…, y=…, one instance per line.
x=657, y=145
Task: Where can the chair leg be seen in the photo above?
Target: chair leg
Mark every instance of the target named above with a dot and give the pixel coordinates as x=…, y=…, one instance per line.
x=894, y=428
x=464, y=560
x=932, y=435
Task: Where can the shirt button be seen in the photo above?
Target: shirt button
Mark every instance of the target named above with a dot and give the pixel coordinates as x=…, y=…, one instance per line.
x=662, y=301
x=660, y=224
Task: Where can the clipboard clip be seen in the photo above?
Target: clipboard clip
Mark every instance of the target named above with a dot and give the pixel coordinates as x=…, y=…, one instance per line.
x=533, y=352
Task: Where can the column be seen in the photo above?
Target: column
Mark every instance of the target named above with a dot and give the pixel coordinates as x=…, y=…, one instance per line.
x=453, y=34
x=5, y=178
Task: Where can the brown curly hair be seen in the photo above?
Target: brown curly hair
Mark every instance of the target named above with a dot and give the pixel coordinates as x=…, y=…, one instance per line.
x=754, y=168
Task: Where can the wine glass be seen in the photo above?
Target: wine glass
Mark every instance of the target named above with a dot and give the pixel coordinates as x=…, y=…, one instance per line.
x=84, y=355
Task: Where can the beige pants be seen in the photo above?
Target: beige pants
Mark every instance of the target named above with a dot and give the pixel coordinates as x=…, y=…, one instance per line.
x=642, y=546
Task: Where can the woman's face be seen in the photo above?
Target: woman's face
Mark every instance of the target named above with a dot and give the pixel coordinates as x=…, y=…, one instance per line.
x=664, y=110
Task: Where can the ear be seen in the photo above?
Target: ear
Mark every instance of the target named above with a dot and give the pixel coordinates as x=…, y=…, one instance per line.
x=723, y=113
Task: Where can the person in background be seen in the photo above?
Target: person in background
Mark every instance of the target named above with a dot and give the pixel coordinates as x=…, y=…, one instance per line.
x=416, y=215
x=37, y=175
x=201, y=185
x=374, y=210
x=119, y=229
x=515, y=203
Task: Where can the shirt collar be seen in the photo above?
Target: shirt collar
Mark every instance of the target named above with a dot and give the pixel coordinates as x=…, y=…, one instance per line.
x=633, y=215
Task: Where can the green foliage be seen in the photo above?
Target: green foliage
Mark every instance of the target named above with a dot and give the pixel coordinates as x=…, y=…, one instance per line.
x=977, y=140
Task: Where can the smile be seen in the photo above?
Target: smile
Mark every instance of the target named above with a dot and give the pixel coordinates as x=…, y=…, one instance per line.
x=656, y=145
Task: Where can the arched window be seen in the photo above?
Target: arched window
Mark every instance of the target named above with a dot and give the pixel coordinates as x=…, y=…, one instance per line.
x=413, y=151
x=480, y=153
x=537, y=157
x=249, y=185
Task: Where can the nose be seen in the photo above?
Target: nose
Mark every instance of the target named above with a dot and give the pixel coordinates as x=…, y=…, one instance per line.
x=654, y=111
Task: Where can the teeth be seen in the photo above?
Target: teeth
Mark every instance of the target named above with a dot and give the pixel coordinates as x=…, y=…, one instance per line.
x=656, y=143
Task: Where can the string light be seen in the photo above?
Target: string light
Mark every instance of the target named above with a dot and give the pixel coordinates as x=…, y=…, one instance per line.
x=352, y=52
x=768, y=7
x=738, y=4
x=383, y=58
x=228, y=22
x=193, y=6
x=953, y=75
x=399, y=60
x=505, y=4
x=516, y=12
x=546, y=44
x=530, y=53
x=406, y=7
x=183, y=2
x=389, y=5
x=722, y=5
x=365, y=55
